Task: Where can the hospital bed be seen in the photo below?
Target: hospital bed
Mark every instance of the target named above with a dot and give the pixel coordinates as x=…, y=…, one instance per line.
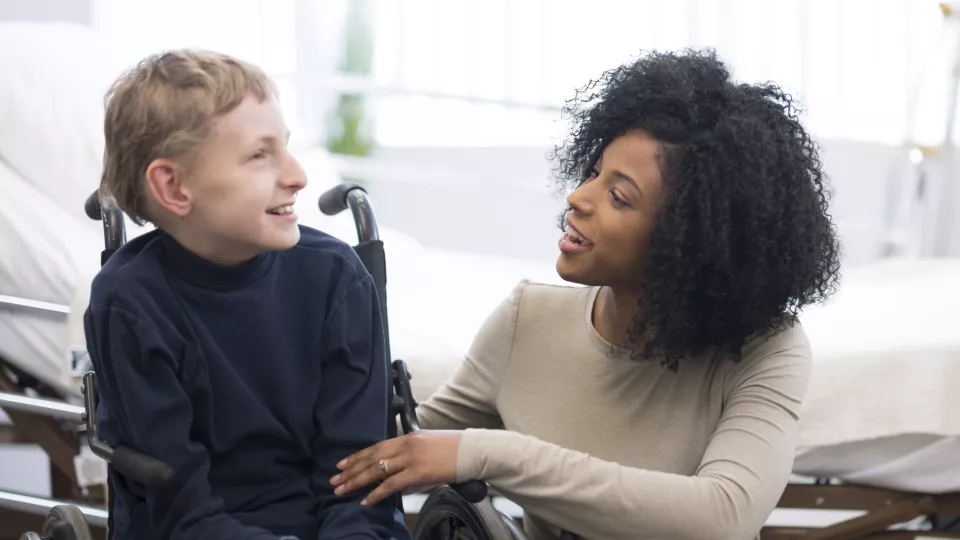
x=880, y=431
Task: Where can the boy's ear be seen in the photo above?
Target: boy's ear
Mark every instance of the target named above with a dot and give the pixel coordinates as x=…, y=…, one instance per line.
x=165, y=183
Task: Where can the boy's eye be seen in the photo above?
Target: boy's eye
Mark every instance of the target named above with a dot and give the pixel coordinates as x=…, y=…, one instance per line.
x=259, y=154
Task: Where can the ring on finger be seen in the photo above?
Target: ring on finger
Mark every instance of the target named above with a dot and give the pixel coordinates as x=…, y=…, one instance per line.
x=384, y=467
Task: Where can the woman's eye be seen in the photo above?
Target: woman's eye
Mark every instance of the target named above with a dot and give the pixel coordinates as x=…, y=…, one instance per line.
x=617, y=200
x=259, y=154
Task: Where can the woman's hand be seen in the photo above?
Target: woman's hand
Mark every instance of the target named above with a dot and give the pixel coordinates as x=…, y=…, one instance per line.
x=419, y=459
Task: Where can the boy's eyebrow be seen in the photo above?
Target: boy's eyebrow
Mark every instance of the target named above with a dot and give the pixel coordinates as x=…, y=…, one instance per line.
x=271, y=138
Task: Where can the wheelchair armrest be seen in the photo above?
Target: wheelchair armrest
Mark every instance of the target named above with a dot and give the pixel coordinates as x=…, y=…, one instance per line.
x=403, y=402
x=141, y=467
x=144, y=469
x=473, y=491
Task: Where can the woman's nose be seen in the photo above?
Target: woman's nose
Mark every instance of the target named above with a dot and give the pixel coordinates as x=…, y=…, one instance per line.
x=579, y=200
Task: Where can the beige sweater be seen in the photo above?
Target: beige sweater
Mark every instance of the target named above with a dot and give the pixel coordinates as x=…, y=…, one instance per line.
x=587, y=440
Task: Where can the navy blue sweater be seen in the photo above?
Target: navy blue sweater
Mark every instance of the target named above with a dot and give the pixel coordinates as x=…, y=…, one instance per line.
x=251, y=381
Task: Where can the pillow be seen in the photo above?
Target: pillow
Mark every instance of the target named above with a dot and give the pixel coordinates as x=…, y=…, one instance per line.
x=53, y=77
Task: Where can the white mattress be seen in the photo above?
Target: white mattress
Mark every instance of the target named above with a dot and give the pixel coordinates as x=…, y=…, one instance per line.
x=45, y=255
x=881, y=408
x=908, y=462
x=883, y=403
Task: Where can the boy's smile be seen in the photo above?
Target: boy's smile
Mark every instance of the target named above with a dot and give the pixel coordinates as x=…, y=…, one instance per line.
x=284, y=211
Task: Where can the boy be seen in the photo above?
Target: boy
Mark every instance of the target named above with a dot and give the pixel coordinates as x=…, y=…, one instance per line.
x=240, y=348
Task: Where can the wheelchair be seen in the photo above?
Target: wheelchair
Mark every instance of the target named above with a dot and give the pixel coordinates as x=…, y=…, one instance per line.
x=453, y=511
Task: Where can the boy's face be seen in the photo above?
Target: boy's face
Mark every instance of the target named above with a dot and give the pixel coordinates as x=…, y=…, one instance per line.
x=235, y=199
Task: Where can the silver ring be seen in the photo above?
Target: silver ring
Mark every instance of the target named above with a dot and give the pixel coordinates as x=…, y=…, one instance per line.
x=384, y=467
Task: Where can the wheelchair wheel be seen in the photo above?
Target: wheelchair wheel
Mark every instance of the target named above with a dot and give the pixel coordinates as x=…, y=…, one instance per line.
x=448, y=516
x=65, y=523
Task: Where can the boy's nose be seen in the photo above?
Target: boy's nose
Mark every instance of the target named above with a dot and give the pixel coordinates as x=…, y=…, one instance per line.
x=294, y=177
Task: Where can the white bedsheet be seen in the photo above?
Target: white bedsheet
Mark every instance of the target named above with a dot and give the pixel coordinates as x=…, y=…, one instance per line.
x=908, y=462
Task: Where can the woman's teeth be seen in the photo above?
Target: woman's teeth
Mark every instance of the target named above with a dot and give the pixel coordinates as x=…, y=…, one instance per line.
x=281, y=210
x=574, y=237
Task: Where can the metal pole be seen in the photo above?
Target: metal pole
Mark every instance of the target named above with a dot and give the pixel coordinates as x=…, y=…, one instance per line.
x=33, y=304
x=30, y=504
x=41, y=407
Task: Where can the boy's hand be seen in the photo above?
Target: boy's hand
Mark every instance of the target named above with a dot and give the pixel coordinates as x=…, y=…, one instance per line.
x=419, y=459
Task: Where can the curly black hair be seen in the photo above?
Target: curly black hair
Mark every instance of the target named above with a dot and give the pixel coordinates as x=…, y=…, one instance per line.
x=743, y=238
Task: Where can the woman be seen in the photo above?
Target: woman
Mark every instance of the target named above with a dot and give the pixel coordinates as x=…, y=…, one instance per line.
x=661, y=400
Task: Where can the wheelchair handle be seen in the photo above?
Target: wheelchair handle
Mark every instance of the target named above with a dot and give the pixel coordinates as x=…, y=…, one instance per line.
x=353, y=196
x=369, y=247
x=92, y=206
x=114, y=230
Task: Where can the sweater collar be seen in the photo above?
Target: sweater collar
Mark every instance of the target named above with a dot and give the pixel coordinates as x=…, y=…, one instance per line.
x=208, y=274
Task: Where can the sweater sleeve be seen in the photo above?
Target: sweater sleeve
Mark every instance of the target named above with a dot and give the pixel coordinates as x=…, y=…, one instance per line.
x=741, y=477
x=468, y=398
x=144, y=406
x=352, y=413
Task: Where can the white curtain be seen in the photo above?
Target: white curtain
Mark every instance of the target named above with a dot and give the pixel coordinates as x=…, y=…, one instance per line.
x=851, y=62
x=456, y=72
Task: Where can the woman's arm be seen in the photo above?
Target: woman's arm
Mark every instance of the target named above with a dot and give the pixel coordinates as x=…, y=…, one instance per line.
x=740, y=479
x=468, y=398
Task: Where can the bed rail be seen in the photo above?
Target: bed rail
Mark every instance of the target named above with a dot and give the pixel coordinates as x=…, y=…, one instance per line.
x=42, y=407
x=40, y=506
x=36, y=305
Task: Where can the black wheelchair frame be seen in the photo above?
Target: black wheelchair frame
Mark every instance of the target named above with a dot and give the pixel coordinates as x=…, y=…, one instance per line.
x=464, y=507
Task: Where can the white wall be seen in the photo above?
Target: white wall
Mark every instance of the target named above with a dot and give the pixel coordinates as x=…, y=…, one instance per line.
x=78, y=11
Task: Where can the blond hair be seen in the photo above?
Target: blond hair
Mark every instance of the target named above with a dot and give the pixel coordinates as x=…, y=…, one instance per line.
x=163, y=108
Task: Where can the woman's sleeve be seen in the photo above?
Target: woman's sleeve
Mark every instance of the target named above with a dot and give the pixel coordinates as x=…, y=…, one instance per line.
x=468, y=398
x=741, y=477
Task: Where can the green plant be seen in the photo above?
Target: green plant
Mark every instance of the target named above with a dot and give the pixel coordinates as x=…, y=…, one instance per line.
x=350, y=130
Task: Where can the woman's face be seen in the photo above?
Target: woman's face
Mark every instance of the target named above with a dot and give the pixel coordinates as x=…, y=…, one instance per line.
x=610, y=216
